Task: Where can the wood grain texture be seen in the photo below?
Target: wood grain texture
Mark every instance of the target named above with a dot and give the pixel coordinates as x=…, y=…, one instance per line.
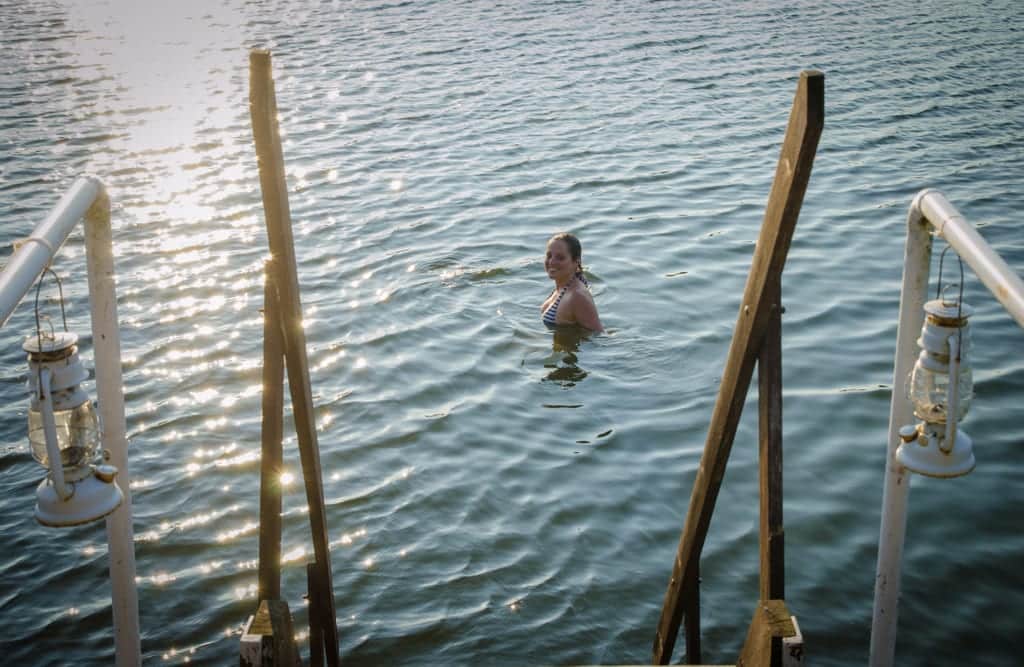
x=770, y=624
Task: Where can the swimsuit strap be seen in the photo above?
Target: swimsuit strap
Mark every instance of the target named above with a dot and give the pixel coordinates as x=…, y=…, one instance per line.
x=552, y=312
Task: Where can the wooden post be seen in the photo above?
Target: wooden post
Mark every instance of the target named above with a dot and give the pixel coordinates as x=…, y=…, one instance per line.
x=268, y=639
x=316, y=616
x=771, y=624
x=263, y=108
x=691, y=619
x=791, y=176
x=271, y=459
x=769, y=372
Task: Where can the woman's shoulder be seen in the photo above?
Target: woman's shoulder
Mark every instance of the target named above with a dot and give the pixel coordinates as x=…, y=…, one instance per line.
x=580, y=292
x=581, y=285
x=584, y=308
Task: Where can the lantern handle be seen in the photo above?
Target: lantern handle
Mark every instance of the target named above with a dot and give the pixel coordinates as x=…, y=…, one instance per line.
x=952, y=394
x=39, y=328
x=50, y=432
x=60, y=297
x=940, y=290
x=954, y=353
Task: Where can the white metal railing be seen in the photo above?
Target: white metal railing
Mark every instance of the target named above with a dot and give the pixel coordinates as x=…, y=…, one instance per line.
x=930, y=212
x=87, y=198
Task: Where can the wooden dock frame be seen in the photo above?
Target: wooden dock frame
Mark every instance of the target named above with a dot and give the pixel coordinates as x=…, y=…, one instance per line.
x=756, y=340
x=284, y=349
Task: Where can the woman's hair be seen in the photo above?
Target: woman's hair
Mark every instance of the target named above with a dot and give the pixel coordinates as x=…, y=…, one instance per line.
x=573, y=244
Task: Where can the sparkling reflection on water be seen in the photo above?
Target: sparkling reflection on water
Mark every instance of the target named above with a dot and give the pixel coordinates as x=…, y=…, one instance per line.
x=497, y=492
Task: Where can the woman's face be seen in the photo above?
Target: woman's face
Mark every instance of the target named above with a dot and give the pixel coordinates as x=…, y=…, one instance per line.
x=559, y=262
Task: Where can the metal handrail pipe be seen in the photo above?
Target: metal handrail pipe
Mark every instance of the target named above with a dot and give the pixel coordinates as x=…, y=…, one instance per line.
x=37, y=251
x=106, y=334
x=87, y=199
x=990, y=268
x=929, y=211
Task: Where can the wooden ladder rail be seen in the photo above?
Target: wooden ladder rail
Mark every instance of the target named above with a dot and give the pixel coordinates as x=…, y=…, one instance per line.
x=285, y=339
x=755, y=340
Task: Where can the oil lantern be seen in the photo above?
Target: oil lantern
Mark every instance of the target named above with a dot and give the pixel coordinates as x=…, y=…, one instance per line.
x=64, y=434
x=940, y=387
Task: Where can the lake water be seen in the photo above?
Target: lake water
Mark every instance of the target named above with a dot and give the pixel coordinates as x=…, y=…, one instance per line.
x=497, y=494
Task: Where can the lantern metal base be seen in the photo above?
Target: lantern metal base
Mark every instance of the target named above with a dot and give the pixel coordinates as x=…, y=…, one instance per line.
x=925, y=457
x=92, y=498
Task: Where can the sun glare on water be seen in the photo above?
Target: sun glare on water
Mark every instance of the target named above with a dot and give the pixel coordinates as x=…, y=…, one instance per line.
x=169, y=75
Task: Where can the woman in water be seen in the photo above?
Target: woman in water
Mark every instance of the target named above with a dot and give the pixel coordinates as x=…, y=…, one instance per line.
x=571, y=301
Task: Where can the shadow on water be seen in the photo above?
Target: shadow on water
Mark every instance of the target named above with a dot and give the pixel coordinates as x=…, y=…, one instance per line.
x=563, y=361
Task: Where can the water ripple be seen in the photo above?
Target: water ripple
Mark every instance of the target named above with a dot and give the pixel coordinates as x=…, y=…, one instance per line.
x=487, y=481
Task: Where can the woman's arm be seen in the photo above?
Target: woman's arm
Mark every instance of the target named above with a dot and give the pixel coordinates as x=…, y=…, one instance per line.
x=585, y=313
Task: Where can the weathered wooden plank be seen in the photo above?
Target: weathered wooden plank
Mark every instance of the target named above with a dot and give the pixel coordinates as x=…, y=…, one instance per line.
x=769, y=373
x=691, y=619
x=269, y=638
x=772, y=623
x=272, y=433
x=263, y=109
x=316, y=615
x=791, y=176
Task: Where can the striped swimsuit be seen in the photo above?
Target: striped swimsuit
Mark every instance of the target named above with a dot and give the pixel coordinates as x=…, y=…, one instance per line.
x=552, y=312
